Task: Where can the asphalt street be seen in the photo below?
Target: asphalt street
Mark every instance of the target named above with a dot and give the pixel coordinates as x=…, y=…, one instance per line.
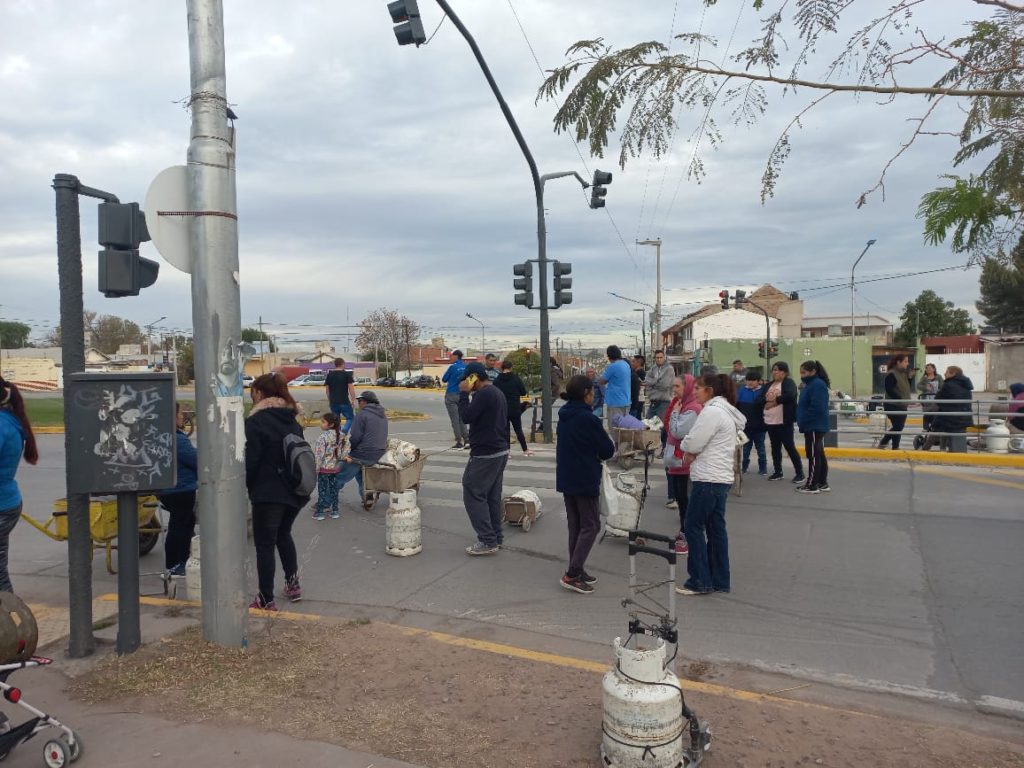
x=903, y=578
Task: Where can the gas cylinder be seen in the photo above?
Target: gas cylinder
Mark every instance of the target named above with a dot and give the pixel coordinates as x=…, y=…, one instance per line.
x=193, y=582
x=997, y=436
x=402, y=525
x=643, y=718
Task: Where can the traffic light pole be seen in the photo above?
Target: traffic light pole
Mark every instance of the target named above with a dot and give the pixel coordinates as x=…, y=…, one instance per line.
x=767, y=337
x=216, y=316
x=69, y=271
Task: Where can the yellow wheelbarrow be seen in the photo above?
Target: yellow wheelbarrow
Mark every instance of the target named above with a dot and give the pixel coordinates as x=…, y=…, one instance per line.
x=103, y=524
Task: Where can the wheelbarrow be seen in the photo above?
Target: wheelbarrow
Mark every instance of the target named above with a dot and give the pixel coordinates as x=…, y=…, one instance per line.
x=381, y=478
x=631, y=444
x=103, y=524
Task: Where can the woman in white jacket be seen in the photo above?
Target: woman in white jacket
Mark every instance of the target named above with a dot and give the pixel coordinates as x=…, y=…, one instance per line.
x=710, y=448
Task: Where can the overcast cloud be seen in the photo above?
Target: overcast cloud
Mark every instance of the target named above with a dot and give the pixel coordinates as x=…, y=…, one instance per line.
x=371, y=175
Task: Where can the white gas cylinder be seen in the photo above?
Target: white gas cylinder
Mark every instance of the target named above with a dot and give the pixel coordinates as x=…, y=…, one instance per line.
x=193, y=582
x=997, y=436
x=643, y=719
x=402, y=525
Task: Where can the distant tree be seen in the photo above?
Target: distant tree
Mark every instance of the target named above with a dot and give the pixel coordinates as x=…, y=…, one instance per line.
x=1002, y=292
x=107, y=332
x=388, y=331
x=255, y=336
x=931, y=315
x=526, y=364
x=185, y=359
x=13, y=335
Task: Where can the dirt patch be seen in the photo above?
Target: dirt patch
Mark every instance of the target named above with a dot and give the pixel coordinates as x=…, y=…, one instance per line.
x=371, y=688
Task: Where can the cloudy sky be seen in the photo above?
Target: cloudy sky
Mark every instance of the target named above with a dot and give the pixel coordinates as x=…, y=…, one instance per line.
x=372, y=175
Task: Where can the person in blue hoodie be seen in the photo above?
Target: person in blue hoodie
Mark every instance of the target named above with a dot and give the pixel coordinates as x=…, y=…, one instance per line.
x=452, y=377
x=16, y=441
x=812, y=419
x=180, y=502
x=747, y=404
x=582, y=446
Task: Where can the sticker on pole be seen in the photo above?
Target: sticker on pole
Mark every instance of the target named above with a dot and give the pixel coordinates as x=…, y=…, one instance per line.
x=166, y=200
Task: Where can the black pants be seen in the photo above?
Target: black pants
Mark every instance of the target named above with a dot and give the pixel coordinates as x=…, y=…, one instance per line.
x=481, y=493
x=8, y=519
x=781, y=436
x=181, y=526
x=817, y=464
x=584, y=516
x=680, y=487
x=896, y=424
x=272, y=528
x=515, y=418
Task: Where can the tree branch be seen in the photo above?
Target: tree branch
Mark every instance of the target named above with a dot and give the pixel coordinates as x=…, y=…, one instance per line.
x=1002, y=4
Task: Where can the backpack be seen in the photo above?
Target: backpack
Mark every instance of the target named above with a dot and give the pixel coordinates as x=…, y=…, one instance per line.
x=299, y=465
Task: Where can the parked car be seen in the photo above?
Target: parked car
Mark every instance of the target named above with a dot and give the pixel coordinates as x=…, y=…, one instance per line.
x=405, y=381
x=423, y=382
x=315, y=379
x=385, y=381
x=298, y=381
x=247, y=381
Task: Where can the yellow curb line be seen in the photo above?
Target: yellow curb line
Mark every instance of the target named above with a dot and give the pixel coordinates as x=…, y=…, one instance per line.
x=524, y=653
x=972, y=478
x=926, y=457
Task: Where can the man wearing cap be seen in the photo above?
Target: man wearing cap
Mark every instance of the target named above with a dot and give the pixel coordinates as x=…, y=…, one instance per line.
x=491, y=366
x=452, y=377
x=368, y=440
x=487, y=416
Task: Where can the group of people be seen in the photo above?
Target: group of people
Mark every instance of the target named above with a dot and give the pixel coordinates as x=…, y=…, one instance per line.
x=943, y=422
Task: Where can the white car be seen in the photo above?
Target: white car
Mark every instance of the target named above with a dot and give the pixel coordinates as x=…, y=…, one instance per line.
x=298, y=381
x=247, y=381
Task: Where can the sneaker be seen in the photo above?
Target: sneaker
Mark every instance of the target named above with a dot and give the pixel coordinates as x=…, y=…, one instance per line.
x=775, y=476
x=680, y=546
x=798, y=479
x=457, y=446
x=479, y=548
x=807, y=489
x=672, y=504
x=466, y=446
x=335, y=514
x=689, y=592
x=763, y=472
x=576, y=584
x=824, y=487
x=178, y=570
x=319, y=516
x=587, y=578
x=260, y=605
x=292, y=590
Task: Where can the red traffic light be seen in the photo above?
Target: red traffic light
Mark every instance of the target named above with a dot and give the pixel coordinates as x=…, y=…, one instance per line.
x=723, y=294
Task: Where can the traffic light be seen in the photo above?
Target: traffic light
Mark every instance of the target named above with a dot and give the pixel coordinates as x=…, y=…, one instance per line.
x=562, y=283
x=774, y=349
x=523, y=283
x=122, y=272
x=405, y=15
x=760, y=349
x=740, y=297
x=597, y=189
x=724, y=296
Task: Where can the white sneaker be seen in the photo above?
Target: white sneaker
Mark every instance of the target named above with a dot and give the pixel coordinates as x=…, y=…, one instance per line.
x=672, y=504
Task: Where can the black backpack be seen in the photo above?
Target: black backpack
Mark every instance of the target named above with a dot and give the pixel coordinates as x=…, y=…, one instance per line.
x=299, y=465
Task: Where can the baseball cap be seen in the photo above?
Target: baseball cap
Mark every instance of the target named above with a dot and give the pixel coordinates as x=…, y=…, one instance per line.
x=476, y=369
x=368, y=396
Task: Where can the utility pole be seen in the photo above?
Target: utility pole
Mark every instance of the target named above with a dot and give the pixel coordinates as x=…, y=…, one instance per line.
x=216, y=315
x=263, y=368
x=656, y=342
x=853, y=322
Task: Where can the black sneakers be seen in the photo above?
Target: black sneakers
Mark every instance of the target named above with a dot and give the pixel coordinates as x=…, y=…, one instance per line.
x=576, y=584
x=588, y=578
x=775, y=476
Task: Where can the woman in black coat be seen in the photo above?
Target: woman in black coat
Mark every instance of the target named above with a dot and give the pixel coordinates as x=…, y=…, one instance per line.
x=512, y=387
x=952, y=417
x=778, y=398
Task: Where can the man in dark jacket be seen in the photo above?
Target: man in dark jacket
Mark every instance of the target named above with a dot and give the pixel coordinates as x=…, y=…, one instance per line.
x=487, y=416
x=952, y=417
x=180, y=502
x=512, y=387
x=582, y=446
x=897, y=391
x=368, y=440
x=747, y=404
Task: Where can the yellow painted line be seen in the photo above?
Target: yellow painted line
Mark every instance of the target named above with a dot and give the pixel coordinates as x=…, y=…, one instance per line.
x=928, y=457
x=167, y=602
x=844, y=466
x=971, y=478
x=710, y=689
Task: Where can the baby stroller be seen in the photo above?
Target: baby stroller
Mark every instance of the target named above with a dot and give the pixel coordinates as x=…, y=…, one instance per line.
x=18, y=637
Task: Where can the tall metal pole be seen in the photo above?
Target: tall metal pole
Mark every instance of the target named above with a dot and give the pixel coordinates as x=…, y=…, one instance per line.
x=129, y=632
x=853, y=322
x=656, y=342
x=216, y=316
x=482, y=330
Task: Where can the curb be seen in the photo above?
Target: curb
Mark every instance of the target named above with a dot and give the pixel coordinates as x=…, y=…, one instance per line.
x=1012, y=461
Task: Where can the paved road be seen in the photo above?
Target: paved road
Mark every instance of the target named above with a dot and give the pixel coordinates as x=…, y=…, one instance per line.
x=903, y=578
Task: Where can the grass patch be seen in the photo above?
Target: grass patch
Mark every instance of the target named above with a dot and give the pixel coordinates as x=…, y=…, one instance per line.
x=45, y=411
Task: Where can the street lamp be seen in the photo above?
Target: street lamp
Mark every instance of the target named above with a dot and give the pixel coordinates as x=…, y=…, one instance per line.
x=149, y=337
x=482, y=330
x=853, y=322
x=657, y=309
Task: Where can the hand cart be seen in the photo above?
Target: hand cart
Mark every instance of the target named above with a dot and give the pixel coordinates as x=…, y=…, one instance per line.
x=631, y=443
x=521, y=508
x=380, y=479
x=103, y=524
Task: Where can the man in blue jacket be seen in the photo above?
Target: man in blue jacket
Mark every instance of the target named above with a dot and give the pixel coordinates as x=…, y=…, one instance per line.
x=180, y=502
x=582, y=446
x=452, y=377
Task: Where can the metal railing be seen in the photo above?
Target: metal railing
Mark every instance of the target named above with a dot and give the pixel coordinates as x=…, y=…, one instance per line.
x=865, y=422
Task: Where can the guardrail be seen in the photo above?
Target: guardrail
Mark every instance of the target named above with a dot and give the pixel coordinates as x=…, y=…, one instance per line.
x=867, y=421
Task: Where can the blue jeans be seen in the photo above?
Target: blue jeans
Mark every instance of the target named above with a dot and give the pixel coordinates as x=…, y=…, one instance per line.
x=350, y=469
x=344, y=409
x=708, y=561
x=756, y=441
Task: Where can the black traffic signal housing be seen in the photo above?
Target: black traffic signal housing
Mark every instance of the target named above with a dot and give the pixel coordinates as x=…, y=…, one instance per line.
x=724, y=296
x=774, y=349
x=523, y=283
x=563, y=283
x=405, y=15
x=597, y=188
x=740, y=297
x=122, y=272
x=760, y=349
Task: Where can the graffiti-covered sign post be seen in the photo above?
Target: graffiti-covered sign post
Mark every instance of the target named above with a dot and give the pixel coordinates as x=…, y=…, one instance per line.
x=121, y=437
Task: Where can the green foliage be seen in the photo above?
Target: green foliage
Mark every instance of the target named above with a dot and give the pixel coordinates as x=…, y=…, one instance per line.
x=967, y=208
x=1002, y=292
x=255, y=336
x=185, y=366
x=13, y=335
x=526, y=365
x=931, y=315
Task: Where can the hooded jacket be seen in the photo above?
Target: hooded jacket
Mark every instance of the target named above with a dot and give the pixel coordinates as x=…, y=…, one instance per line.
x=368, y=437
x=812, y=408
x=713, y=439
x=682, y=415
x=188, y=465
x=513, y=388
x=265, y=478
x=953, y=417
x=581, y=447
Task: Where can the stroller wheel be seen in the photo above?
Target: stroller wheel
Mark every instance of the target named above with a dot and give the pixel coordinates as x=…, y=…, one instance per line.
x=56, y=754
x=75, y=750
